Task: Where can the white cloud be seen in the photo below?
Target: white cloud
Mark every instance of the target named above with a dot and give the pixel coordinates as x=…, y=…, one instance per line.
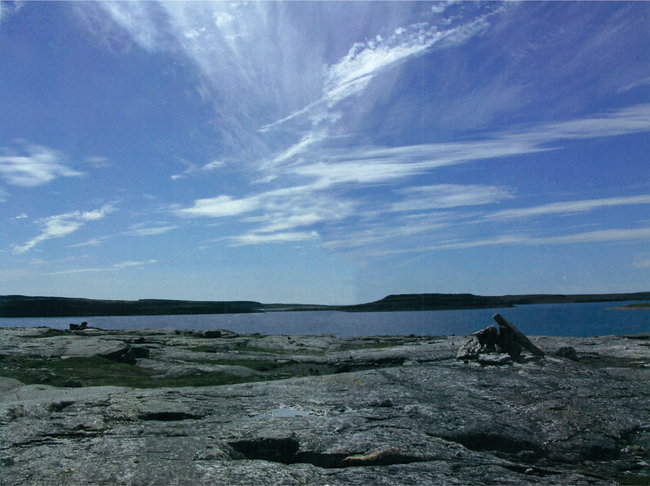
x=115, y=267
x=91, y=242
x=38, y=167
x=195, y=169
x=62, y=225
x=9, y=8
x=220, y=206
x=333, y=173
x=256, y=239
x=156, y=230
x=132, y=264
x=215, y=164
x=449, y=196
x=600, y=236
x=568, y=207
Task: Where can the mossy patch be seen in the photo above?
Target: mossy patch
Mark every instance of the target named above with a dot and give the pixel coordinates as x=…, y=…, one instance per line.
x=96, y=371
x=629, y=479
x=253, y=364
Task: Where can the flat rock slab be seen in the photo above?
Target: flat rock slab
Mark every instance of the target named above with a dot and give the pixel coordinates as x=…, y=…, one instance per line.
x=431, y=419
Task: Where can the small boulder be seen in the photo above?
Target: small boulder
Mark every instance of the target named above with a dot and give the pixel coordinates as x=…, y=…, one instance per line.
x=124, y=355
x=567, y=352
x=470, y=350
x=212, y=334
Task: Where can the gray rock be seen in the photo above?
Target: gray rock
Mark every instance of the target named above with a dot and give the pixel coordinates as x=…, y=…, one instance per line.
x=212, y=334
x=470, y=350
x=494, y=359
x=568, y=352
x=437, y=421
x=122, y=355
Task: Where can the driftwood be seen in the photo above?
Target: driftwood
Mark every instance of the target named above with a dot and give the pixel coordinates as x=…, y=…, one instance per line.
x=518, y=335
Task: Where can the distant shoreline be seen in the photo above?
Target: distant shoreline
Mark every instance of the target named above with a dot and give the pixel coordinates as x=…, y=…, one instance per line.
x=16, y=306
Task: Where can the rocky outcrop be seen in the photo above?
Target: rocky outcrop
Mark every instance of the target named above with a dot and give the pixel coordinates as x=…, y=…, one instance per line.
x=497, y=346
x=404, y=412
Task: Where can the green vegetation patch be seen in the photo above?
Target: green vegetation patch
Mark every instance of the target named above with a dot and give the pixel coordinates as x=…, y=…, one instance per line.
x=253, y=364
x=633, y=479
x=96, y=371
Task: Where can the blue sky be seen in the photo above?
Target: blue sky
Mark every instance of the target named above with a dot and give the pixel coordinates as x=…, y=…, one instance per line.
x=323, y=152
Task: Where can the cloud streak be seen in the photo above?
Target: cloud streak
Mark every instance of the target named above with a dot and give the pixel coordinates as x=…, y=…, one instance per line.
x=114, y=268
x=39, y=166
x=568, y=207
x=62, y=225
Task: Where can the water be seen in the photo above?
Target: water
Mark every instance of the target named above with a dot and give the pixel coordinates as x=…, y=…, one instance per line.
x=550, y=319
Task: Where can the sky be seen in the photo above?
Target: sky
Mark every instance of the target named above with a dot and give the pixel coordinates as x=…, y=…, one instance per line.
x=323, y=152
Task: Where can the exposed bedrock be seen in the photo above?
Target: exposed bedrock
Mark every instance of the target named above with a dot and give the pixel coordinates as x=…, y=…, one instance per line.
x=424, y=418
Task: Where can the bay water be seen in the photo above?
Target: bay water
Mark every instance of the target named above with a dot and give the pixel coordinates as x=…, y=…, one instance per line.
x=593, y=319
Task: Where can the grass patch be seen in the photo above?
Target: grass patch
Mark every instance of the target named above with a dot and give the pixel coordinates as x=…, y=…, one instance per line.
x=632, y=479
x=96, y=371
x=253, y=364
x=204, y=348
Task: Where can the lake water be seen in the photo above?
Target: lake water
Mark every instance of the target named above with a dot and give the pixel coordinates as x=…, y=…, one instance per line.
x=549, y=319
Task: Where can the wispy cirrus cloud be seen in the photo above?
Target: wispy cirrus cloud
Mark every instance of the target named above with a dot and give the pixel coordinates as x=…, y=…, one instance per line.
x=91, y=242
x=113, y=268
x=151, y=231
x=599, y=236
x=62, y=225
x=196, y=169
x=257, y=238
x=325, y=195
x=38, y=166
x=366, y=60
x=568, y=207
x=441, y=196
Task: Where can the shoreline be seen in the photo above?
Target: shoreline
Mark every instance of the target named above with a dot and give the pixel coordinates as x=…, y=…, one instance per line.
x=15, y=306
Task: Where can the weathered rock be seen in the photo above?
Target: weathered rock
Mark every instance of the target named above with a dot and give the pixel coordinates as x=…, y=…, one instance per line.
x=518, y=336
x=470, y=350
x=123, y=355
x=494, y=359
x=436, y=421
x=568, y=352
x=212, y=334
x=488, y=337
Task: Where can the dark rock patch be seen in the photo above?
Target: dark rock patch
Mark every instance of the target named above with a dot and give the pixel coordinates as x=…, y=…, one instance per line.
x=168, y=416
x=124, y=355
x=72, y=384
x=281, y=450
x=568, y=352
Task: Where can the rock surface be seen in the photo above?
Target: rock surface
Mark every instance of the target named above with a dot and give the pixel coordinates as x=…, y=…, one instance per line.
x=389, y=410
